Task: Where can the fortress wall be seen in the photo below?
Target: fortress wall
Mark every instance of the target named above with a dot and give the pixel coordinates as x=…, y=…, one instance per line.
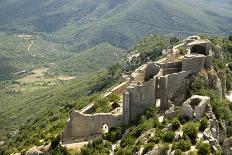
x=208, y=62
x=84, y=125
x=177, y=64
x=89, y=109
x=152, y=70
x=119, y=89
x=172, y=57
x=175, y=82
x=171, y=71
x=138, y=76
x=140, y=98
x=193, y=63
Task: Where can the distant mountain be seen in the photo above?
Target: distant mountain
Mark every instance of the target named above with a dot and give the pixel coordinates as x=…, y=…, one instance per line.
x=87, y=23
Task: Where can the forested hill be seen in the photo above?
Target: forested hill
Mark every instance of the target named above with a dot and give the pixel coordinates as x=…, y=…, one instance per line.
x=119, y=23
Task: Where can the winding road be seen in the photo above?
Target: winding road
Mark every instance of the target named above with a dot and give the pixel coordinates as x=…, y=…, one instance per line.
x=28, y=49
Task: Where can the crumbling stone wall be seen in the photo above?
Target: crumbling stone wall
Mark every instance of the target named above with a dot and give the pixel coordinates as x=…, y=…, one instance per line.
x=119, y=89
x=194, y=63
x=140, y=98
x=175, y=82
x=177, y=64
x=196, y=107
x=138, y=76
x=83, y=125
x=162, y=79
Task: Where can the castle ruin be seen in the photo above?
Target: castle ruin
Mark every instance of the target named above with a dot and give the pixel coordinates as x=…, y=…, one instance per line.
x=154, y=83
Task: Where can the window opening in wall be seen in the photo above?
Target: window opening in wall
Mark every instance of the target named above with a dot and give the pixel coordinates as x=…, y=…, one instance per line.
x=105, y=128
x=157, y=103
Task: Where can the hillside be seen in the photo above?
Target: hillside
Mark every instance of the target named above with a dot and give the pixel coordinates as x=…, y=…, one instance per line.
x=35, y=112
x=88, y=23
x=196, y=120
x=57, y=56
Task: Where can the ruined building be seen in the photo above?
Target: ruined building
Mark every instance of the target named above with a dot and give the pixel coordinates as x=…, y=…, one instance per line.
x=155, y=83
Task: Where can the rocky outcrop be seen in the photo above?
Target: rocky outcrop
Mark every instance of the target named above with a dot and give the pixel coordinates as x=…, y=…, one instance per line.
x=227, y=146
x=40, y=150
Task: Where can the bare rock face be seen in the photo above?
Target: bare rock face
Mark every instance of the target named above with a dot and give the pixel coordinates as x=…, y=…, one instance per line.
x=155, y=151
x=40, y=150
x=213, y=81
x=227, y=146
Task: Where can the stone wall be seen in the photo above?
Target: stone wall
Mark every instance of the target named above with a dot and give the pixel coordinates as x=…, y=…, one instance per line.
x=162, y=80
x=175, y=82
x=138, y=76
x=119, y=89
x=177, y=64
x=196, y=107
x=140, y=98
x=151, y=71
x=194, y=63
x=84, y=125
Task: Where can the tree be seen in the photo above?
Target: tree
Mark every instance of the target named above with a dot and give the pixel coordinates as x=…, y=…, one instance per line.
x=183, y=145
x=178, y=152
x=163, y=150
x=230, y=38
x=114, y=98
x=168, y=136
x=203, y=148
x=191, y=130
x=148, y=147
x=203, y=124
x=175, y=124
x=197, y=86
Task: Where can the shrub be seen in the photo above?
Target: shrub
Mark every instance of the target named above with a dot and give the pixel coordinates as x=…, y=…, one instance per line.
x=148, y=147
x=168, y=136
x=128, y=140
x=102, y=105
x=183, y=118
x=55, y=141
x=60, y=150
x=191, y=130
x=178, y=152
x=114, y=135
x=97, y=146
x=197, y=86
x=125, y=151
x=23, y=152
x=114, y=98
x=137, y=146
x=175, y=124
x=183, y=145
x=203, y=124
x=155, y=139
x=203, y=148
x=156, y=123
x=164, y=149
x=150, y=112
x=192, y=153
x=229, y=131
x=165, y=122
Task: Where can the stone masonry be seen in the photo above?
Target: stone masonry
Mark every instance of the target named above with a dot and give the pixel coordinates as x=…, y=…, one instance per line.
x=152, y=82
